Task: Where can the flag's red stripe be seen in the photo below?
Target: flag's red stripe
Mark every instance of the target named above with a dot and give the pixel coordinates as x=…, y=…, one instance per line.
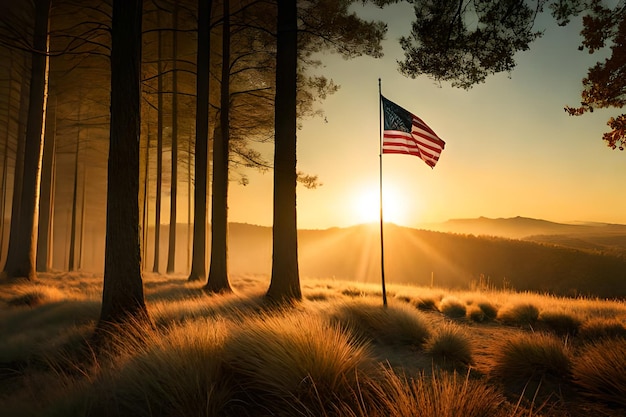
x=403, y=140
x=417, y=122
x=428, y=136
x=430, y=145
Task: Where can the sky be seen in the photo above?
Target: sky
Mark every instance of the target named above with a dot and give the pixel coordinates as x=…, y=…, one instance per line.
x=511, y=150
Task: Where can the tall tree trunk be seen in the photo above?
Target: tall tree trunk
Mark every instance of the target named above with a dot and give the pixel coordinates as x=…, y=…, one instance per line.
x=122, y=296
x=171, y=254
x=189, y=234
x=81, y=240
x=218, y=271
x=72, y=258
x=285, y=280
x=18, y=170
x=157, y=214
x=198, y=260
x=23, y=264
x=46, y=203
x=146, y=199
x=5, y=159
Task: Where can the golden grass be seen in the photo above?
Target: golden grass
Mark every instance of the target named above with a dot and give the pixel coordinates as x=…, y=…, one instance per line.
x=451, y=346
x=519, y=314
x=339, y=352
x=452, y=307
x=437, y=395
x=531, y=357
x=600, y=371
x=398, y=324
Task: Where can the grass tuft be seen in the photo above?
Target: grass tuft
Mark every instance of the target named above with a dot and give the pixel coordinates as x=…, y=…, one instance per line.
x=602, y=328
x=450, y=346
x=600, y=371
x=35, y=295
x=560, y=323
x=531, y=357
x=174, y=373
x=521, y=314
x=295, y=358
x=453, y=307
x=426, y=303
x=398, y=324
x=439, y=395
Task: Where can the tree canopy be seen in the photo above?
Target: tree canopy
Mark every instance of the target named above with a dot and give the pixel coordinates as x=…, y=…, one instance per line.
x=465, y=41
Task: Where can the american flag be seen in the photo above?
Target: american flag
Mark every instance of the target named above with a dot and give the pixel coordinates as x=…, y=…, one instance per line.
x=405, y=133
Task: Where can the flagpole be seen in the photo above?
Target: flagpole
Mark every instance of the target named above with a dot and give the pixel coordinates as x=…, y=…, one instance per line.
x=380, y=157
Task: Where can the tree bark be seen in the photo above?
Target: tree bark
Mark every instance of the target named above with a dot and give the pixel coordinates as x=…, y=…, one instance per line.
x=146, y=199
x=285, y=280
x=23, y=263
x=218, y=271
x=171, y=254
x=72, y=258
x=157, y=215
x=18, y=170
x=5, y=159
x=198, y=260
x=122, y=297
x=46, y=203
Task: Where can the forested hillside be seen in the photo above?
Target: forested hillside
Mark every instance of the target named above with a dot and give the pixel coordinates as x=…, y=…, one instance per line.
x=451, y=260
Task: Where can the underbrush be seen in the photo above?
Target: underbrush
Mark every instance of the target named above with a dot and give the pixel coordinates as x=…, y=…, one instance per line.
x=339, y=352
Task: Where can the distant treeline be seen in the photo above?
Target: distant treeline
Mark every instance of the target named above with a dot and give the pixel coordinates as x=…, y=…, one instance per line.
x=459, y=261
x=418, y=256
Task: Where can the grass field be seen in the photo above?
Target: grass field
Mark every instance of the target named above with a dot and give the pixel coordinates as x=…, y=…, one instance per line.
x=432, y=352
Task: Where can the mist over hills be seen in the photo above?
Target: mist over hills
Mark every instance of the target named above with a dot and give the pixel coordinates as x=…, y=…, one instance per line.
x=454, y=260
x=523, y=227
x=519, y=253
x=605, y=238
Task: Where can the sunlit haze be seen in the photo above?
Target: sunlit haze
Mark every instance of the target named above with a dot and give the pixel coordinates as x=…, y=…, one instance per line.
x=510, y=147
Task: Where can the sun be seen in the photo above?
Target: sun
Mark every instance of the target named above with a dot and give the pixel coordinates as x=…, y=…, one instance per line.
x=366, y=205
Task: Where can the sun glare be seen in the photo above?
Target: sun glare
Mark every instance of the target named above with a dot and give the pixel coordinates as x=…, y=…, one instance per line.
x=367, y=206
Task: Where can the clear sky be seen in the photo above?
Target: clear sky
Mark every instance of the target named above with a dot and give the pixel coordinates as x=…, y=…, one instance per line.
x=511, y=150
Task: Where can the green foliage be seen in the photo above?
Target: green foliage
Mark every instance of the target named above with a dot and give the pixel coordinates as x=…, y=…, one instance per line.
x=464, y=42
x=600, y=371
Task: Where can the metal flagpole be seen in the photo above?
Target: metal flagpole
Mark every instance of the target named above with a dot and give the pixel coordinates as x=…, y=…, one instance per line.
x=380, y=156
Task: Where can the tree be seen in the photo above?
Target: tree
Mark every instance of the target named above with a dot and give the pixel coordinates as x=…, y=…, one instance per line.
x=218, y=270
x=122, y=296
x=465, y=41
x=198, y=259
x=605, y=83
x=285, y=279
x=171, y=253
x=22, y=263
x=326, y=25
x=159, y=182
x=446, y=47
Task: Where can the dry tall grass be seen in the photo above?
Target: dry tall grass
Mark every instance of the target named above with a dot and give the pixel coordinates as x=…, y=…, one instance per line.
x=338, y=353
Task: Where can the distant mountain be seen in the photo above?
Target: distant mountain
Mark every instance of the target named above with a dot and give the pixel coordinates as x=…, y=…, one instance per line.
x=523, y=227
